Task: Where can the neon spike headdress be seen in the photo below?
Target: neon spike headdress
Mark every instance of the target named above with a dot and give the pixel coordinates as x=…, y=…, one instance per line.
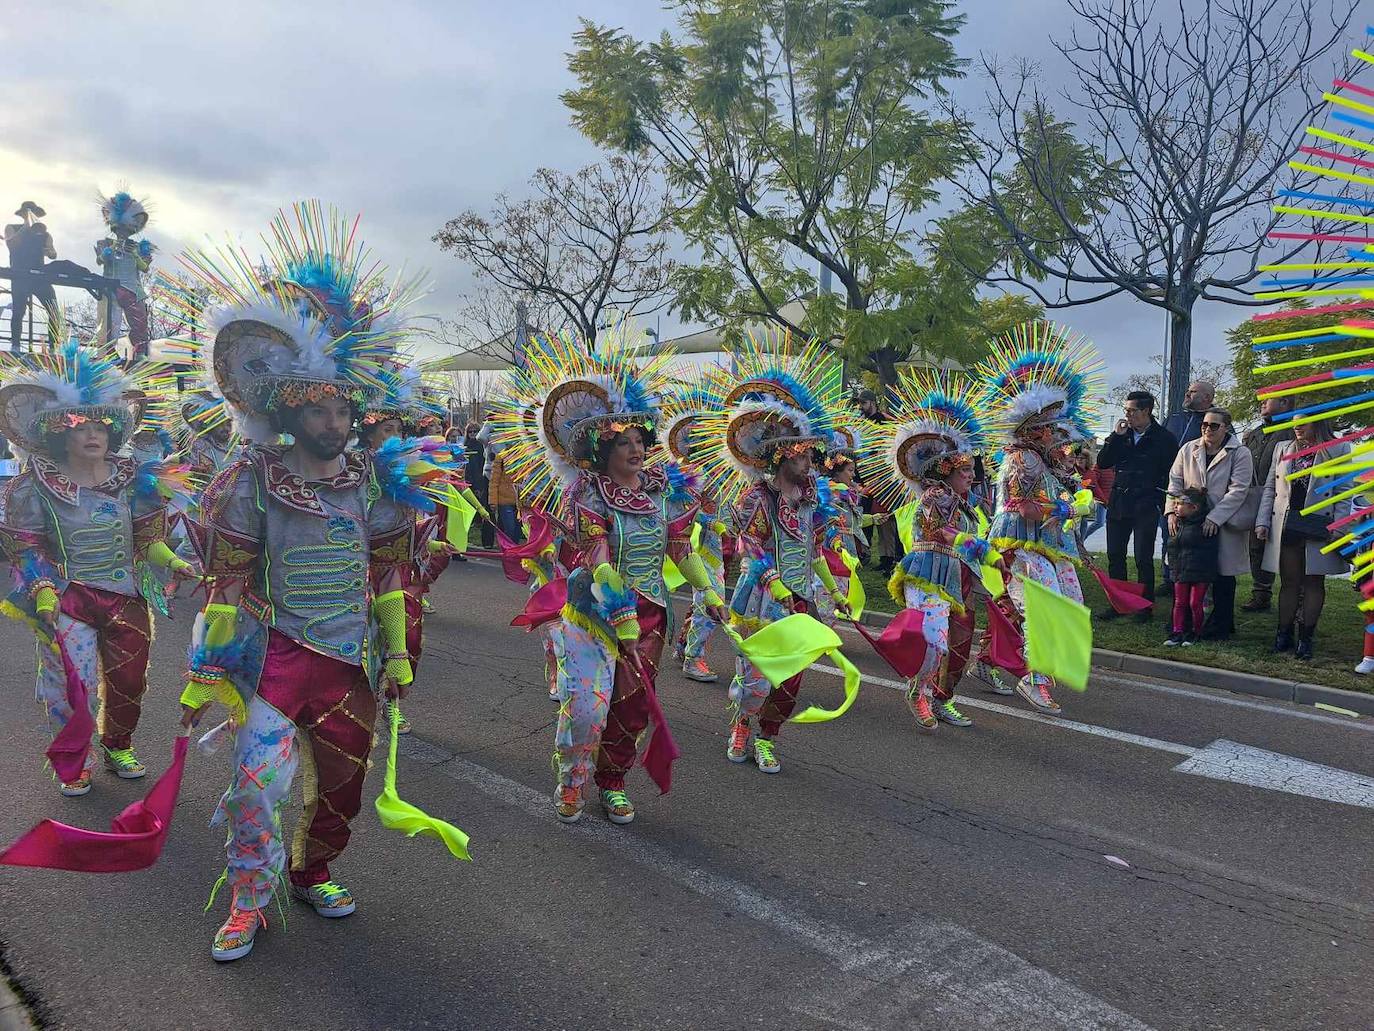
x=935, y=428
x=575, y=400
x=401, y=395
x=52, y=391
x=123, y=212
x=781, y=398
x=1331, y=352
x=317, y=319
x=1037, y=375
x=684, y=409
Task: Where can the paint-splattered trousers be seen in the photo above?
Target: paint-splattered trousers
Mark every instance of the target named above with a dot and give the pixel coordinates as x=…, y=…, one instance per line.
x=313, y=713
x=752, y=696
x=107, y=636
x=700, y=626
x=602, y=707
x=949, y=639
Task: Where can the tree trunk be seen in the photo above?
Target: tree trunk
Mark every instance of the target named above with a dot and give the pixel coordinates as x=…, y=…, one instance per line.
x=885, y=361
x=1180, y=354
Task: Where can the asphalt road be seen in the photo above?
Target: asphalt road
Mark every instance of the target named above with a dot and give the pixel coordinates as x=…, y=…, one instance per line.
x=1015, y=875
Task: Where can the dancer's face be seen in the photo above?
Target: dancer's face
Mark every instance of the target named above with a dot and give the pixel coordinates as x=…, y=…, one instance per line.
x=88, y=440
x=626, y=457
x=961, y=480
x=796, y=468
x=387, y=429
x=324, y=427
x=844, y=474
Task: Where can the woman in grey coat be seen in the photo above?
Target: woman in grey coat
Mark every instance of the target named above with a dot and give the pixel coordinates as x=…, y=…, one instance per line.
x=1293, y=543
x=1221, y=466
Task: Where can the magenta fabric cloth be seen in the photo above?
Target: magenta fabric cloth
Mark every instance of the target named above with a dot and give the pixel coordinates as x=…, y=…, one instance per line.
x=1005, y=648
x=133, y=842
x=902, y=643
x=544, y=605
x=70, y=747
x=1126, y=598
x=540, y=537
x=661, y=750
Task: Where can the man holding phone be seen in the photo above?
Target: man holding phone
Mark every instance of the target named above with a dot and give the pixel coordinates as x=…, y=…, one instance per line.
x=1141, y=451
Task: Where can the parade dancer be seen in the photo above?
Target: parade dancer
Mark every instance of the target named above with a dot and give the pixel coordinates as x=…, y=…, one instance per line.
x=295, y=638
x=597, y=426
x=1039, y=382
x=772, y=430
x=843, y=511
x=84, y=529
x=125, y=259
x=926, y=453
x=682, y=414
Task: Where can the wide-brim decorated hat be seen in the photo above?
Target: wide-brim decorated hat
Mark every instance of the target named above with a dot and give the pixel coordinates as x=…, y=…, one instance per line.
x=685, y=407
x=1037, y=375
x=52, y=391
x=319, y=321
x=935, y=427
x=781, y=398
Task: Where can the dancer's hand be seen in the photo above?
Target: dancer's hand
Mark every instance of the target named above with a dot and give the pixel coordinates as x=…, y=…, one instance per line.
x=191, y=716
x=394, y=689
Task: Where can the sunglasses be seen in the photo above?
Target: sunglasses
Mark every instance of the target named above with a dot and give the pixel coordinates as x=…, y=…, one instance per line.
x=1214, y=425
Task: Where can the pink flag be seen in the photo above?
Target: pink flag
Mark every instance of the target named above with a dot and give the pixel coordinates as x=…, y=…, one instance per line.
x=134, y=841
x=1006, y=648
x=69, y=748
x=661, y=750
x=902, y=644
x=544, y=605
x=1125, y=597
x=541, y=535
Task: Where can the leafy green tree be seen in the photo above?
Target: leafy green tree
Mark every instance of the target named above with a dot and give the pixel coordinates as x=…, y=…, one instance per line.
x=796, y=137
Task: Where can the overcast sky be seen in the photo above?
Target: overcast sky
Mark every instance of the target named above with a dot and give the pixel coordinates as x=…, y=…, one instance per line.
x=408, y=112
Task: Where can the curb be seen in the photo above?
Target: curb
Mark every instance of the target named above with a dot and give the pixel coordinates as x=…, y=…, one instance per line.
x=1226, y=679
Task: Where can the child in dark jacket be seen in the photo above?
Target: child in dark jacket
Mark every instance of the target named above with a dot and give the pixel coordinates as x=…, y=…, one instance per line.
x=1193, y=560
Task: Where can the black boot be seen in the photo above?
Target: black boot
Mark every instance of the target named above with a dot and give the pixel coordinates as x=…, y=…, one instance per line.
x=1304, y=648
x=1283, y=640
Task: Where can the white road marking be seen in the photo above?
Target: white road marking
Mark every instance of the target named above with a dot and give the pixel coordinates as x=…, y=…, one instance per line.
x=1220, y=760
x=926, y=974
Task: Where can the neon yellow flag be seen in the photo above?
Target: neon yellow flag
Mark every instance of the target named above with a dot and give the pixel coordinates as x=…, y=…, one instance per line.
x=904, y=516
x=672, y=576
x=783, y=649
x=460, y=517
x=983, y=524
x=399, y=815
x=993, y=581
x=1059, y=635
x=857, y=596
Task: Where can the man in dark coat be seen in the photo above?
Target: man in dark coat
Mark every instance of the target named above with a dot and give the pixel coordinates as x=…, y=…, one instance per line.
x=1141, y=452
x=1262, y=447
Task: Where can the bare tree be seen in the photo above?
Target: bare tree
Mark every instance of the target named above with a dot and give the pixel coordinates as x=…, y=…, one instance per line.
x=584, y=244
x=487, y=323
x=1191, y=119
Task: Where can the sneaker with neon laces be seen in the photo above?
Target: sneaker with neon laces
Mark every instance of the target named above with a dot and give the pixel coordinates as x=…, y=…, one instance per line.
x=123, y=763
x=765, y=757
x=617, y=806
x=696, y=669
x=234, y=939
x=328, y=898
x=993, y=679
x=946, y=712
x=737, y=751
x=402, y=725
x=570, y=804
x=919, y=704
x=76, y=788
x=1036, y=691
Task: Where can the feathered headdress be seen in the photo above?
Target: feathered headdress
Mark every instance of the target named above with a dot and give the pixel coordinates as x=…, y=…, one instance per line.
x=1039, y=374
x=313, y=318
x=400, y=396
x=581, y=397
x=694, y=399
x=52, y=391
x=122, y=211
x=935, y=427
x=780, y=399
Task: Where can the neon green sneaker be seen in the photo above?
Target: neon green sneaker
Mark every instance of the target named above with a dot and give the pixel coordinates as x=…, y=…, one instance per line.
x=329, y=898
x=617, y=806
x=123, y=763
x=946, y=712
x=764, y=756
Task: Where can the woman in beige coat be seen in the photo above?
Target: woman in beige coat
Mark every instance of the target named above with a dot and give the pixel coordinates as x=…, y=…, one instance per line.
x=1220, y=465
x=1297, y=556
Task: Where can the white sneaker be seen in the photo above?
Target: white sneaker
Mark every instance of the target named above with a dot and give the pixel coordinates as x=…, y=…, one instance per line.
x=991, y=677
x=1366, y=666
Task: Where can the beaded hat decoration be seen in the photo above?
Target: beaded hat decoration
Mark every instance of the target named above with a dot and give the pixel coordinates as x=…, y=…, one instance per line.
x=313, y=318
x=1036, y=375
x=936, y=427
x=779, y=401
x=576, y=398
x=53, y=391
